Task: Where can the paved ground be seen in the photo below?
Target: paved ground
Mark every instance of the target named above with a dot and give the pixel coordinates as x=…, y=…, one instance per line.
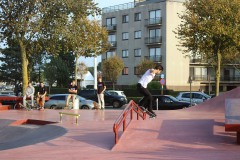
x=189, y=134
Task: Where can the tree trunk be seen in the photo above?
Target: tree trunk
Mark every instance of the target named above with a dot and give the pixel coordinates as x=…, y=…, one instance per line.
x=76, y=62
x=218, y=73
x=24, y=66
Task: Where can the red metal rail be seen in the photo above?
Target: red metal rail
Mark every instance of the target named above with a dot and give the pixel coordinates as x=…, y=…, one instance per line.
x=122, y=119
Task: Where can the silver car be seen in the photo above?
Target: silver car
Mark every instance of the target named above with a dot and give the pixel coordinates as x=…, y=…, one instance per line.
x=197, y=97
x=58, y=101
x=117, y=93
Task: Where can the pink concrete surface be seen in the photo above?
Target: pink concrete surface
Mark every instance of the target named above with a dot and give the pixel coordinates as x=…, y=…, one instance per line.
x=196, y=133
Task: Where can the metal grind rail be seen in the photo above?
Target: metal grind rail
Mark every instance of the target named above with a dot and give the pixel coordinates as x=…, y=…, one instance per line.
x=122, y=119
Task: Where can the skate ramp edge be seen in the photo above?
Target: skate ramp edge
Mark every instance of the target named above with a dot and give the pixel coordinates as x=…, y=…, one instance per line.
x=26, y=132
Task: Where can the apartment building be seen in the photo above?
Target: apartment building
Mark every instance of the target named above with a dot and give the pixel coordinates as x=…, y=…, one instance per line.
x=144, y=29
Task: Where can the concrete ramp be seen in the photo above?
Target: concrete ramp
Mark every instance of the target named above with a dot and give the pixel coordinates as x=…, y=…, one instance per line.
x=217, y=104
x=194, y=133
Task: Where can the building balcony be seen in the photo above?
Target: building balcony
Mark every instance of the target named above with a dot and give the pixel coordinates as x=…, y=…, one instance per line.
x=197, y=60
x=113, y=44
x=205, y=78
x=153, y=22
x=153, y=40
x=157, y=59
x=118, y=7
x=111, y=28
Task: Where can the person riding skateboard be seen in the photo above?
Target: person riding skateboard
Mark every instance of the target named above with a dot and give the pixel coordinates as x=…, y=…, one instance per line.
x=142, y=88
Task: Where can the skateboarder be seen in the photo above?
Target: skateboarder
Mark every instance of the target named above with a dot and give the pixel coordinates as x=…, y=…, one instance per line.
x=142, y=89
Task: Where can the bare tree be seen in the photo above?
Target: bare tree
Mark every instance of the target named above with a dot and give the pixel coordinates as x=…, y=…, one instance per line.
x=82, y=69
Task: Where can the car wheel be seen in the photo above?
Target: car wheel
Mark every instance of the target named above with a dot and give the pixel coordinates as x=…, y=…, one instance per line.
x=53, y=107
x=116, y=104
x=84, y=107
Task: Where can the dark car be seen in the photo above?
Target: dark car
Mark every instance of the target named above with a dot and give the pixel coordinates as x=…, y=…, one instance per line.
x=168, y=102
x=110, y=100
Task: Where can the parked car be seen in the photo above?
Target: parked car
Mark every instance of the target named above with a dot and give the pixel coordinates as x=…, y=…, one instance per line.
x=117, y=93
x=58, y=101
x=110, y=100
x=7, y=93
x=197, y=97
x=168, y=102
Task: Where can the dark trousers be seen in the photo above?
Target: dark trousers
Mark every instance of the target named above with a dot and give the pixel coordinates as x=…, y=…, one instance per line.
x=147, y=97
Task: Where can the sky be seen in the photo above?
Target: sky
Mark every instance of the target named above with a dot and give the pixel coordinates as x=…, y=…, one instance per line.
x=101, y=4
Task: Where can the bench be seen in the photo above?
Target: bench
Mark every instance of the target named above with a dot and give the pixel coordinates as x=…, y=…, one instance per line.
x=69, y=114
x=232, y=117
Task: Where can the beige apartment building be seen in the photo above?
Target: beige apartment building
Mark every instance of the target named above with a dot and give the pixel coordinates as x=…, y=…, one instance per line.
x=144, y=29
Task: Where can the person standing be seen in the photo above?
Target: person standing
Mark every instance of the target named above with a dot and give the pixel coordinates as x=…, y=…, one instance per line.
x=30, y=90
x=100, y=92
x=18, y=89
x=72, y=93
x=41, y=94
x=142, y=88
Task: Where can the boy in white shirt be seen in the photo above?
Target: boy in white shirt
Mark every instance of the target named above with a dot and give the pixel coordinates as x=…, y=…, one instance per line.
x=142, y=87
x=30, y=90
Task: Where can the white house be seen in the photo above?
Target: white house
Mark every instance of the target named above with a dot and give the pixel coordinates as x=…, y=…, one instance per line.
x=88, y=79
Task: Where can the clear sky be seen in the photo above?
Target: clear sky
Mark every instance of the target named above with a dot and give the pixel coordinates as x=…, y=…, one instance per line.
x=101, y=4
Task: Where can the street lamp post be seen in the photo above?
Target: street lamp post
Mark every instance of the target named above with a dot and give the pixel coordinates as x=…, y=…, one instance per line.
x=190, y=82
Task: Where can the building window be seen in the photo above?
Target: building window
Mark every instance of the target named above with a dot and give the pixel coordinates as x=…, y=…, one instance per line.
x=154, y=16
x=153, y=33
x=112, y=40
x=125, y=19
x=137, y=16
x=137, y=34
x=137, y=52
x=111, y=21
x=136, y=71
x=125, y=71
x=125, y=53
x=110, y=54
x=155, y=54
x=125, y=35
x=200, y=73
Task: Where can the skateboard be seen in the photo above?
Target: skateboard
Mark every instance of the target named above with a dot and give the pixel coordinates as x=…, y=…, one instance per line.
x=151, y=115
x=27, y=108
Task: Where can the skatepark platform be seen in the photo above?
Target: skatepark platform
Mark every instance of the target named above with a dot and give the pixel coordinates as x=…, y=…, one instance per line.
x=195, y=133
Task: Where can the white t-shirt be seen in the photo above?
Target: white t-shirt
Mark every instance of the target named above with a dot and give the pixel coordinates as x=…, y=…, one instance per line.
x=30, y=90
x=146, y=78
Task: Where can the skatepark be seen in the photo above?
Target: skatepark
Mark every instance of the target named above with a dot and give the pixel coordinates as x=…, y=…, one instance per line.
x=194, y=133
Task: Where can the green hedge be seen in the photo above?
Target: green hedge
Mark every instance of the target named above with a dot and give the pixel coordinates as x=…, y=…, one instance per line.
x=129, y=92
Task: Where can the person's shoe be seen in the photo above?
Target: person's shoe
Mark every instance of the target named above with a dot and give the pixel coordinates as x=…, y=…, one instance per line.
x=152, y=116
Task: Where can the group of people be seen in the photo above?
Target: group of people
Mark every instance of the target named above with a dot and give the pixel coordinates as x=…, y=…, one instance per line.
x=41, y=93
x=145, y=103
x=100, y=93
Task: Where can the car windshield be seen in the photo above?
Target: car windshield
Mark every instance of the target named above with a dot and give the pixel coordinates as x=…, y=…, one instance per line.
x=81, y=98
x=173, y=98
x=107, y=93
